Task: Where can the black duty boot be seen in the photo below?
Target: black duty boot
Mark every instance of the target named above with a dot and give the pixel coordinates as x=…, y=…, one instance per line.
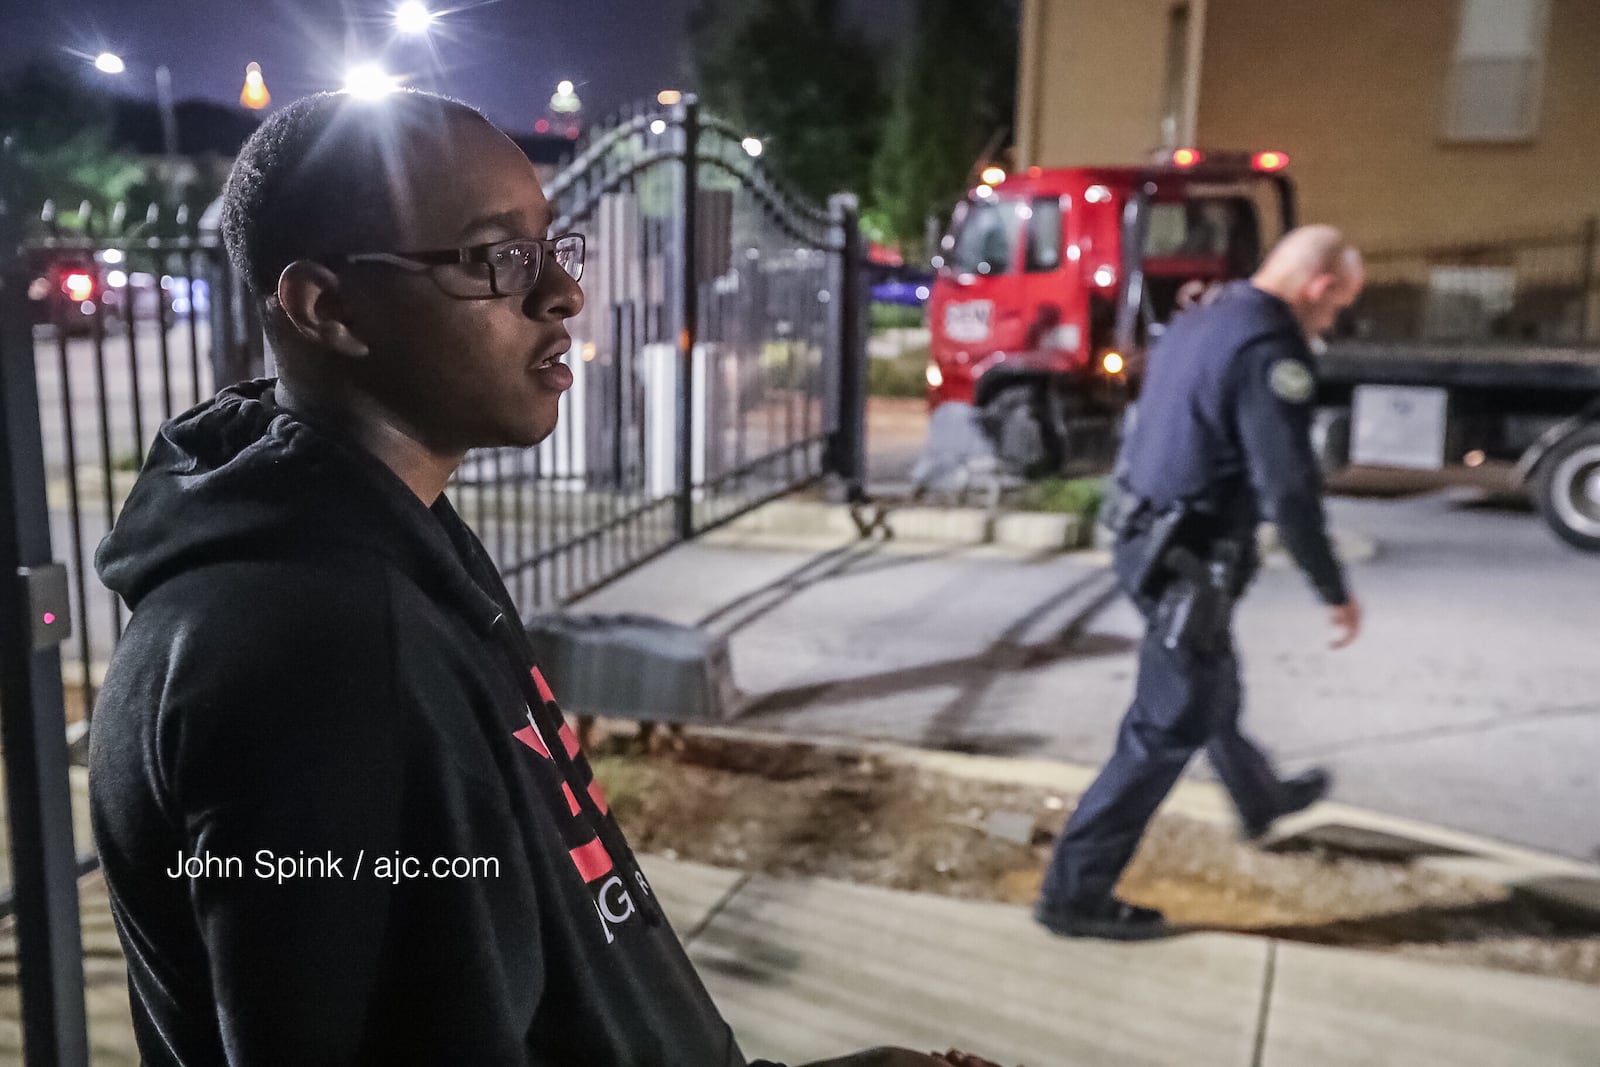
x=1113, y=919
x=1299, y=793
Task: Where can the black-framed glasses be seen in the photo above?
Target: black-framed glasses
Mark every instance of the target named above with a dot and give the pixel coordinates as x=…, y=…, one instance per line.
x=502, y=268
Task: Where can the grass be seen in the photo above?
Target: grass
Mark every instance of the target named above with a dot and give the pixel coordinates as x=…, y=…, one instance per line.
x=893, y=317
x=1069, y=496
x=902, y=375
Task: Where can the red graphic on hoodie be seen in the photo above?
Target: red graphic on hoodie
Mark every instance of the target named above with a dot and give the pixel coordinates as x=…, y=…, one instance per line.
x=590, y=857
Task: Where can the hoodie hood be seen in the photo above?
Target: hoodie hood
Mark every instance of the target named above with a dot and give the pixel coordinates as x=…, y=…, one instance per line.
x=242, y=477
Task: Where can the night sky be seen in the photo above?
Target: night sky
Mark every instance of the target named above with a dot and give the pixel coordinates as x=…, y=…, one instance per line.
x=504, y=56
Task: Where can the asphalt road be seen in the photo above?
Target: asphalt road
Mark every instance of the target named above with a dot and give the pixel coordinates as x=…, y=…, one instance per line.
x=1472, y=699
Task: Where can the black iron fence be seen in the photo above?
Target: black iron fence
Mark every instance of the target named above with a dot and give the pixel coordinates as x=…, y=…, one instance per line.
x=719, y=362
x=1533, y=289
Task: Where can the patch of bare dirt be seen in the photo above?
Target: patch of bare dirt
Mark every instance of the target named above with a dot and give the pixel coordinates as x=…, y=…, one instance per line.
x=792, y=809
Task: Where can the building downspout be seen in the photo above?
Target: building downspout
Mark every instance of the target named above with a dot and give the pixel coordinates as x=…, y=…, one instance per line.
x=1030, y=81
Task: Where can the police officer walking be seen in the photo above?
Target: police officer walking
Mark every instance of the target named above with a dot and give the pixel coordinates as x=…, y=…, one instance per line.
x=1221, y=441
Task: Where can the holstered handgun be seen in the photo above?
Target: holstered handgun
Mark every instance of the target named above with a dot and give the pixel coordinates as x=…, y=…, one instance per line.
x=1196, y=603
x=1146, y=538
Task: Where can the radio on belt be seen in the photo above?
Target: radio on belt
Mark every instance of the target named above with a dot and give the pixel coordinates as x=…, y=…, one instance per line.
x=45, y=588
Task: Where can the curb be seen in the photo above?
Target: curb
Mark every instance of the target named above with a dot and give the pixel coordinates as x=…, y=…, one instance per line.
x=1028, y=531
x=1561, y=885
x=1025, y=531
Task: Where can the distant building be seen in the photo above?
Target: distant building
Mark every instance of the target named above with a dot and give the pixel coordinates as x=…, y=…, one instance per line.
x=1410, y=124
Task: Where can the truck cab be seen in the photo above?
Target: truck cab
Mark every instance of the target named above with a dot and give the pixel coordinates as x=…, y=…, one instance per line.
x=1051, y=283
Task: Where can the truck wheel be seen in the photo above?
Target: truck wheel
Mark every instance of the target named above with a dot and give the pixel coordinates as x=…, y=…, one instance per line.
x=1016, y=426
x=1567, y=488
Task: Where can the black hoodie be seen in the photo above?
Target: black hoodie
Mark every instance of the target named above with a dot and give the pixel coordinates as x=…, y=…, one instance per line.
x=322, y=702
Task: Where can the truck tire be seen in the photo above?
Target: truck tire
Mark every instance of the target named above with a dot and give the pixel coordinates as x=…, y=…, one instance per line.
x=1015, y=421
x=1567, y=488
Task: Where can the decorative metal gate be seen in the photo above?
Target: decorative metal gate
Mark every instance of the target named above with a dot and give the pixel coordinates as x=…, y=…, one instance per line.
x=718, y=361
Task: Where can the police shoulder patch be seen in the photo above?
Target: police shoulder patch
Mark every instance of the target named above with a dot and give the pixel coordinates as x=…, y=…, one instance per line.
x=1291, y=380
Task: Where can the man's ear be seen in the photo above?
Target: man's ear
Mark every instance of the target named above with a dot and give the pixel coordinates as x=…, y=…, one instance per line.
x=1318, y=287
x=309, y=295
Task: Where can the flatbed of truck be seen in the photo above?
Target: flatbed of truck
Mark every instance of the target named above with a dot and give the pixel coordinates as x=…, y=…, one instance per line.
x=1459, y=365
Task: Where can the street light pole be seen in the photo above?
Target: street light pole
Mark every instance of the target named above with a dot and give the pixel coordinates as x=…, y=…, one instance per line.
x=169, y=113
x=111, y=63
x=169, y=131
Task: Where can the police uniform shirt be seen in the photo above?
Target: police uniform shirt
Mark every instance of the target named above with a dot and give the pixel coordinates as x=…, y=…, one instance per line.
x=1224, y=423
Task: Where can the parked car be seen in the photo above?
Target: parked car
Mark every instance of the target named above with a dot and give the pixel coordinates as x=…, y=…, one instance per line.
x=72, y=287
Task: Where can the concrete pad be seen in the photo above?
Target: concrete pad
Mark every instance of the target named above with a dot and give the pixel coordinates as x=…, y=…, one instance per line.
x=798, y=517
x=687, y=891
x=1338, y=1007
x=1573, y=897
x=1369, y=841
x=965, y=526
x=1038, y=531
x=809, y=969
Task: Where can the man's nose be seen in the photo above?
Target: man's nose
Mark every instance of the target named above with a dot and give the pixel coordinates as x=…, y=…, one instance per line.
x=556, y=296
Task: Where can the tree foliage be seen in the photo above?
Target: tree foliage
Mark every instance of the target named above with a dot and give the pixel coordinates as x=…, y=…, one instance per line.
x=61, y=139
x=795, y=74
x=954, y=101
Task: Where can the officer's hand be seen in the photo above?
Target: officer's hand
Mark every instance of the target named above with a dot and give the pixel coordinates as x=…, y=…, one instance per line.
x=901, y=1057
x=963, y=1059
x=1346, y=619
x=884, y=1057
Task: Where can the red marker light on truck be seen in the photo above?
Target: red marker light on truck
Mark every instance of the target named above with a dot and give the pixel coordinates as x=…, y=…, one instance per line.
x=1270, y=161
x=1186, y=157
x=78, y=286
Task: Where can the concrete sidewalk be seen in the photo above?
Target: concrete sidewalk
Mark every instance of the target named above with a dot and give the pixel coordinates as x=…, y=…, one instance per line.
x=806, y=969
x=812, y=968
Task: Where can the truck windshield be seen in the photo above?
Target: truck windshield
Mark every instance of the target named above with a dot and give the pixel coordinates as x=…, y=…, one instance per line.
x=1209, y=229
x=985, y=237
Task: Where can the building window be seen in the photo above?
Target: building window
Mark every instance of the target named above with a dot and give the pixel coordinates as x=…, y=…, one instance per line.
x=1499, y=65
x=1175, y=90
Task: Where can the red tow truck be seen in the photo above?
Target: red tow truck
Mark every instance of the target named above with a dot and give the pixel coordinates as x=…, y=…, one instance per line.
x=1051, y=283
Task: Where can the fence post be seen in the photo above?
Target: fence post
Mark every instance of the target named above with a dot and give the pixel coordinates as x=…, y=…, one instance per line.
x=688, y=295
x=1586, y=272
x=847, y=393
x=33, y=599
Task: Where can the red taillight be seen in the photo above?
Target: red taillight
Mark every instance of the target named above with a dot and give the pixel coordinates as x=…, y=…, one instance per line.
x=78, y=286
x=1269, y=161
x=1186, y=157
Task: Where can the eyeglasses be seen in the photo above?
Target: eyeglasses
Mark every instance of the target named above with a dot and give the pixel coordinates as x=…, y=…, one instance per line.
x=504, y=268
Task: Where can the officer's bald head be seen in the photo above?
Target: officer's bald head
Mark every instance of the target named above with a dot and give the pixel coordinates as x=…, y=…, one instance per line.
x=1316, y=272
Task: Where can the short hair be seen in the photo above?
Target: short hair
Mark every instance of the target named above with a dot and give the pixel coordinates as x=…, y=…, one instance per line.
x=1308, y=251
x=321, y=172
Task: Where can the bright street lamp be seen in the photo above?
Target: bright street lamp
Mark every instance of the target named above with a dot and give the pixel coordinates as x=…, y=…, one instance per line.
x=369, y=81
x=413, y=17
x=111, y=63
x=565, y=101
x=752, y=145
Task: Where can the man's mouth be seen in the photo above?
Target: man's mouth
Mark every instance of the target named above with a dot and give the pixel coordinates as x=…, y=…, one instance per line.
x=552, y=359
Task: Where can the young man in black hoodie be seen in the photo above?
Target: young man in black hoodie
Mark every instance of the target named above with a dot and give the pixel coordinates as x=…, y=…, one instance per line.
x=340, y=816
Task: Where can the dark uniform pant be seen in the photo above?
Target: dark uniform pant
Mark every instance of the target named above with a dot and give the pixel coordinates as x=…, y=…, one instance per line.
x=1182, y=702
